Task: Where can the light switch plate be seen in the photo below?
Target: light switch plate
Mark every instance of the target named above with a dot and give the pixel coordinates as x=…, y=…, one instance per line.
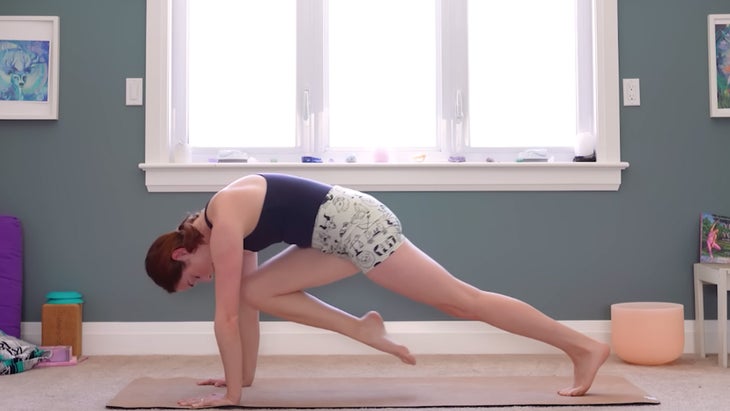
x=134, y=92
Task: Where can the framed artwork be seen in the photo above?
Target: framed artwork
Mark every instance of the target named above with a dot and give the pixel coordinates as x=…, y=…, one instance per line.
x=718, y=33
x=714, y=238
x=29, y=67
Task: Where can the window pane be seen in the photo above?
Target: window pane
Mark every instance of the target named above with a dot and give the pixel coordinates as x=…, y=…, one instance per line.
x=242, y=73
x=382, y=73
x=522, y=68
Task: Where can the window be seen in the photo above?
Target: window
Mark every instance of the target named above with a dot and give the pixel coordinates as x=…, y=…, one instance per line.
x=382, y=86
x=539, y=50
x=328, y=111
x=230, y=94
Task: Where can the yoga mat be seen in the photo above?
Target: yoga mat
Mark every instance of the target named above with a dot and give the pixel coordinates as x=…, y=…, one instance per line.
x=386, y=392
x=11, y=274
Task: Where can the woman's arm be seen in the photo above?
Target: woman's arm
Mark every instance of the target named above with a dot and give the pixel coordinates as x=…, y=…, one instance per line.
x=248, y=328
x=248, y=324
x=225, y=249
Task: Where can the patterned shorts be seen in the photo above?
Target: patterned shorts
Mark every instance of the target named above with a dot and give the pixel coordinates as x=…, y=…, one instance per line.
x=356, y=226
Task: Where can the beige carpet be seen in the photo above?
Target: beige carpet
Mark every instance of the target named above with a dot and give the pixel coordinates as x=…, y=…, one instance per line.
x=386, y=392
x=688, y=384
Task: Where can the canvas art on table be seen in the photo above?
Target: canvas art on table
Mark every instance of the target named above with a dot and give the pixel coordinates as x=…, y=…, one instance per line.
x=714, y=238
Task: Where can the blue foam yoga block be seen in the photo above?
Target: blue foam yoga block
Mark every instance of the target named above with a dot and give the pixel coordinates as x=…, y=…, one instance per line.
x=64, y=297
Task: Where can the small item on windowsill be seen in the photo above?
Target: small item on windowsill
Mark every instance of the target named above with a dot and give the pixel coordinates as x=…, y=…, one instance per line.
x=533, y=155
x=585, y=146
x=183, y=153
x=351, y=159
x=311, y=159
x=457, y=159
x=381, y=155
x=232, y=156
x=585, y=159
x=420, y=158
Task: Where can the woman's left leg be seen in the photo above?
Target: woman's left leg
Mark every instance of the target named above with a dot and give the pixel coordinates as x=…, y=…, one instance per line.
x=277, y=288
x=412, y=273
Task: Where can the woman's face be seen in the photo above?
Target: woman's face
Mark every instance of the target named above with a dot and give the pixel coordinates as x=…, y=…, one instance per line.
x=198, y=267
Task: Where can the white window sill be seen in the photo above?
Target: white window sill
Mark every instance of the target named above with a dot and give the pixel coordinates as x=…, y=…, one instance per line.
x=211, y=177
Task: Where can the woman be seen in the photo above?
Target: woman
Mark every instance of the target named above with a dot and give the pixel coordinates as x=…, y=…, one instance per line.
x=334, y=233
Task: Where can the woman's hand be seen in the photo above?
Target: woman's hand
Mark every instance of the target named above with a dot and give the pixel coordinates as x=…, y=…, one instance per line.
x=214, y=382
x=210, y=400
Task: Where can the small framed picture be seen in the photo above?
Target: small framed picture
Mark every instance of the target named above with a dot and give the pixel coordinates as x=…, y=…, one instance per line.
x=718, y=33
x=29, y=67
x=714, y=238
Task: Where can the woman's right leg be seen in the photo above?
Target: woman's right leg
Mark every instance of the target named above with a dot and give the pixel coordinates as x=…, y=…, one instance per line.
x=277, y=288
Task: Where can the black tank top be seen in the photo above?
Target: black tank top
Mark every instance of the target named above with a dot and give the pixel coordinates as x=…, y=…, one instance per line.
x=290, y=207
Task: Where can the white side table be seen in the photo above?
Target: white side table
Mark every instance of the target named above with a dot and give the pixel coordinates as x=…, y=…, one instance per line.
x=719, y=275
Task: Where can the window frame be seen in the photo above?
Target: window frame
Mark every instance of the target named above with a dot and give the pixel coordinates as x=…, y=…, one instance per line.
x=164, y=174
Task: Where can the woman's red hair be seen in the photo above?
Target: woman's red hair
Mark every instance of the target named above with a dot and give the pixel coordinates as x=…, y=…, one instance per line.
x=161, y=268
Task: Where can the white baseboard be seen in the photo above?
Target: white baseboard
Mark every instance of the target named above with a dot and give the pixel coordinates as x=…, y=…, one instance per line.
x=286, y=338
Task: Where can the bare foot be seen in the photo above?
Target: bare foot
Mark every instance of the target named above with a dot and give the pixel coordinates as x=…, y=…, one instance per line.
x=373, y=334
x=585, y=367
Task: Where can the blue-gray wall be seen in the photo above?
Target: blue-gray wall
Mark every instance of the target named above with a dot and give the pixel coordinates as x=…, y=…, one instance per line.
x=88, y=218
